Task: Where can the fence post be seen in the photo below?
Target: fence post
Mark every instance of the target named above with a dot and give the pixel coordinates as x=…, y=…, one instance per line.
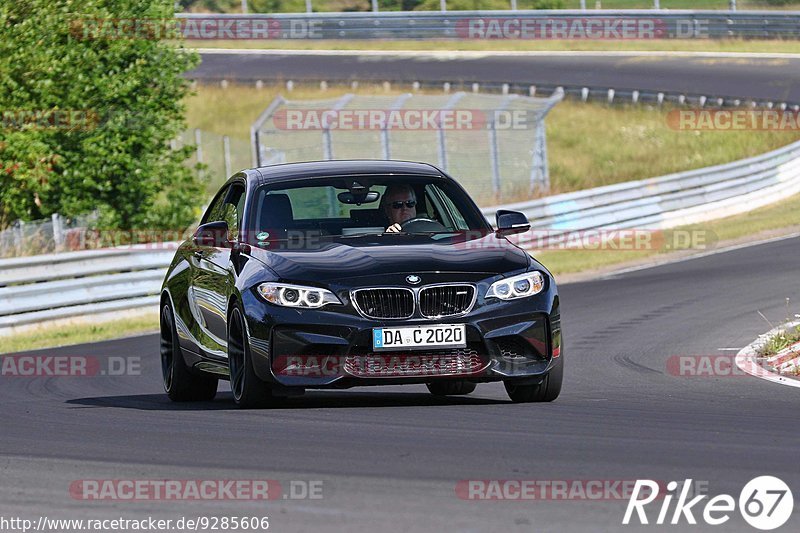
x=327, y=140
x=386, y=146
x=513, y=5
x=226, y=154
x=443, y=5
x=494, y=149
x=58, y=232
x=18, y=237
x=308, y=6
x=198, y=146
x=442, y=138
x=327, y=147
x=375, y=6
x=198, y=143
x=244, y=7
x=540, y=173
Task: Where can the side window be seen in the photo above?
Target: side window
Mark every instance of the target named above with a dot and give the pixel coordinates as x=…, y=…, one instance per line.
x=240, y=209
x=232, y=210
x=214, y=212
x=447, y=208
x=228, y=206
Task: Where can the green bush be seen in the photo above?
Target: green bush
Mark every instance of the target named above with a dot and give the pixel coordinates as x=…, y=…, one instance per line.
x=298, y=6
x=127, y=96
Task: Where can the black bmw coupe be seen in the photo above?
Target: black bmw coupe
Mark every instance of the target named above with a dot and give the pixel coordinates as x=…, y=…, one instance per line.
x=338, y=274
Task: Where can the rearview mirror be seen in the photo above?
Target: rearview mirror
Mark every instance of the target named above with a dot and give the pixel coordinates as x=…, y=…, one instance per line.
x=358, y=198
x=511, y=222
x=213, y=234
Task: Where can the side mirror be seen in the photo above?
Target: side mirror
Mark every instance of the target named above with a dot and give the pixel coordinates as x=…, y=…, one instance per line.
x=511, y=222
x=213, y=234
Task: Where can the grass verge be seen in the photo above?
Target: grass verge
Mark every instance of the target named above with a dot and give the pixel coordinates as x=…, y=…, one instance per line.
x=49, y=337
x=781, y=217
x=781, y=341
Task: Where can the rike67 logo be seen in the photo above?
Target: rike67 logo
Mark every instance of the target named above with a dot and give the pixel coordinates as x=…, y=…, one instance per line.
x=765, y=503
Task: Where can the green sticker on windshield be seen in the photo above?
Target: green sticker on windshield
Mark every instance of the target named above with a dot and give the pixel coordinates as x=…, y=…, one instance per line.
x=263, y=236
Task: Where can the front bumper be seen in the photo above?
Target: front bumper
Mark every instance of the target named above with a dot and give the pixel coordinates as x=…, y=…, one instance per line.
x=332, y=347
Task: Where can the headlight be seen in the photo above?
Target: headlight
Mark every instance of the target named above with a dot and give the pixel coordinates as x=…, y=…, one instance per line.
x=297, y=295
x=517, y=287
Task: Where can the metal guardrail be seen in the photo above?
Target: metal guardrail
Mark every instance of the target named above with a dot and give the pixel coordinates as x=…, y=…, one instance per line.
x=617, y=95
x=669, y=201
x=43, y=288
x=55, y=286
x=529, y=24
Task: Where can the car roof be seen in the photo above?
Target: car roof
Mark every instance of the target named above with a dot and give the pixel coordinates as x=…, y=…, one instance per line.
x=318, y=169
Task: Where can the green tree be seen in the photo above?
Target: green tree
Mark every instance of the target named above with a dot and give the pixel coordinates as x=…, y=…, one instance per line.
x=111, y=102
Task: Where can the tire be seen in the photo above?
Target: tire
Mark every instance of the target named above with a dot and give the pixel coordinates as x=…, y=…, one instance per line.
x=546, y=391
x=451, y=388
x=180, y=384
x=248, y=390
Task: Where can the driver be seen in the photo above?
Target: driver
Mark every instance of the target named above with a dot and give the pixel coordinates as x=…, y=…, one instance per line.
x=399, y=205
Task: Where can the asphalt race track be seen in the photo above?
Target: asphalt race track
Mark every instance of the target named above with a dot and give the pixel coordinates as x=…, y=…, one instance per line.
x=390, y=458
x=760, y=77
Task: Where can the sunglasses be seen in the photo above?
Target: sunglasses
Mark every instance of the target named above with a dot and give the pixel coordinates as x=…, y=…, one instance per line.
x=408, y=203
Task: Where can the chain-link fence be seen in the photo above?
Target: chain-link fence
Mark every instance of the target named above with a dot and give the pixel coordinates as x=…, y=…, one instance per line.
x=56, y=234
x=493, y=144
x=221, y=155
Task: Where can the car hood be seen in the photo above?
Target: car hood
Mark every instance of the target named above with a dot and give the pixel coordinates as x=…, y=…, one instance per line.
x=377, y=255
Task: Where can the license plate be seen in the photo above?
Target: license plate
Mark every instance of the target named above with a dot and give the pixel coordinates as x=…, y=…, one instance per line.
x=438, y=336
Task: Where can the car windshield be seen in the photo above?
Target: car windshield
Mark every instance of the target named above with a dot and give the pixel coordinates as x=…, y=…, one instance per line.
x=359, y=206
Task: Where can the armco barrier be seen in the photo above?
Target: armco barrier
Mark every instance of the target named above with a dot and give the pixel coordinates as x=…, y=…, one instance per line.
x=456, y=25
x=43, y=288
x=668, y=201
x=58, y=286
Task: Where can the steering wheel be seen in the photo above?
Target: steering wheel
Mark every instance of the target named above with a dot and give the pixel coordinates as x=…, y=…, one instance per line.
x=421, y=225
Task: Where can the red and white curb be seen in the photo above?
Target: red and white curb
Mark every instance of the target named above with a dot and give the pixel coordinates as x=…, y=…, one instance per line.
x=787, y=360
x=747, y=358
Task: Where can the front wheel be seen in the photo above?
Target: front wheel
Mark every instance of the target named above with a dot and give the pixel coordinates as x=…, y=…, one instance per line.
x=546, y=391
x=179, y=382
x=451, y=388
x=248, y=390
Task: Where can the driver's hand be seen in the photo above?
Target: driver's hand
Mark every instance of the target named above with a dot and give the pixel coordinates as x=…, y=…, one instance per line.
x=394, y=228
